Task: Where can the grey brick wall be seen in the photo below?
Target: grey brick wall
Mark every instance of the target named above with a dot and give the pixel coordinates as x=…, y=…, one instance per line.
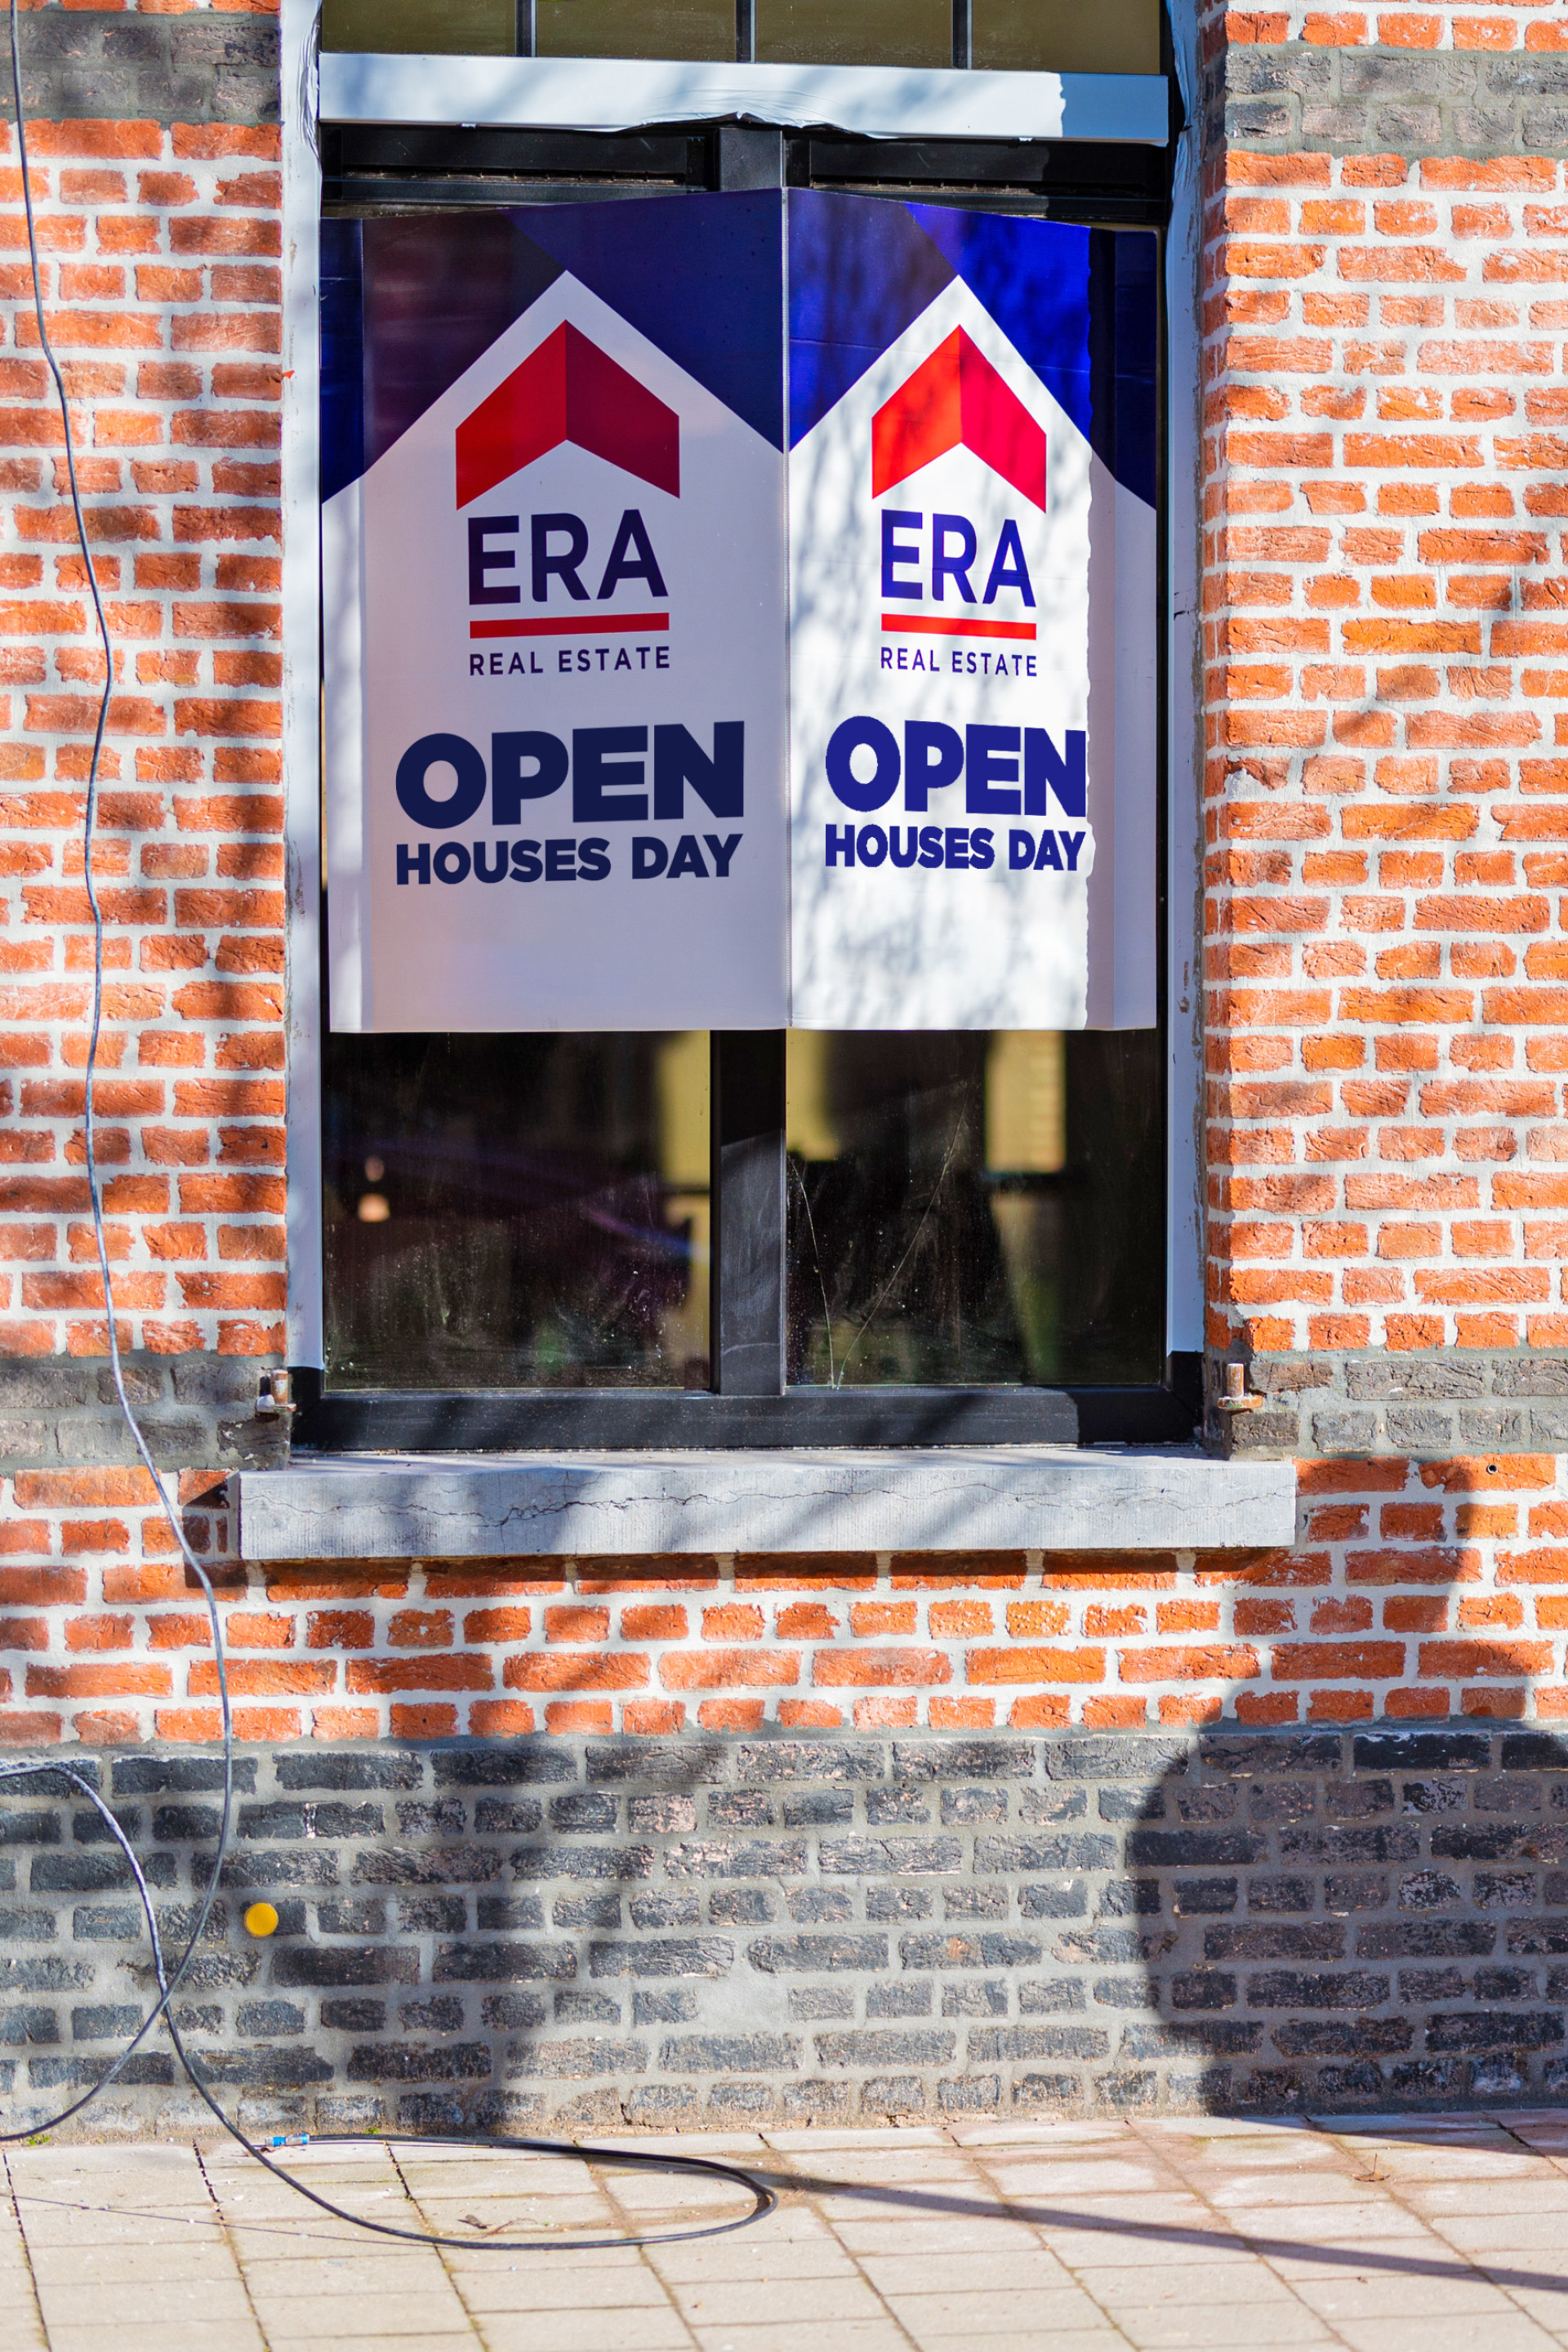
x=699, y=1932
x=103, y=65
x=1366, y=1403
x=1280, y=100
x=197, y=1412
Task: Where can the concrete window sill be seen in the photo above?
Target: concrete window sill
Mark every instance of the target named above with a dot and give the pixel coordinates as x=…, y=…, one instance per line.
x=957, y=1499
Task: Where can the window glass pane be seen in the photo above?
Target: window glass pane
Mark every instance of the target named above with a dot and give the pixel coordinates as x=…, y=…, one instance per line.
x=636, y=29
x=517, y=1212
x=868, y=33
x=974, y=1207
x=1065, y=37
x=465, y=28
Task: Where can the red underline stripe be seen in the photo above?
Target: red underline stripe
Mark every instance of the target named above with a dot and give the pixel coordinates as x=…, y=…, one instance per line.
x=902, y=623
x=601, y=625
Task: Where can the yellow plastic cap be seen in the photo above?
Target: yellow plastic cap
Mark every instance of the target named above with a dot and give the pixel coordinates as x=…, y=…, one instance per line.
x=261, y=1919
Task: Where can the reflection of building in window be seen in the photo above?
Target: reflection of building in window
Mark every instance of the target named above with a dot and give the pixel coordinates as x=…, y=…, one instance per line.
x=810, y=1130
x=680, y=1087
x=1026, y=1103
x=1027, y=1135
x=973, y=1207
x=516, y=1210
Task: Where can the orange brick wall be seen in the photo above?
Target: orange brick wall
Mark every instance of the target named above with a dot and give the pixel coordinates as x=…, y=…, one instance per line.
x=1386, y=790
x=1385, y=797
x=1418, y=1590
x=161, y=250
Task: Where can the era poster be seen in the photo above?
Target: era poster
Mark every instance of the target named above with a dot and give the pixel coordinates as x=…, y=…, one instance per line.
x=554, y=567
x=972, y=610
x=632, y=721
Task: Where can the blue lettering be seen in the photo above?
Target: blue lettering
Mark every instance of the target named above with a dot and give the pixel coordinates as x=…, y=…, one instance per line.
x=415, y=867
x=897, y=552
x=1072, y=843
x=440, y=750
x=687, y=858
x=957, y=846
x=649, y=857
x=525, y=864
x=1045, y=767
x=840, y=843
x=945, y=567
x=930, y=845
x=906, y=856
x=871, y=844
x=1048, y=857
x=510, y=787
x=933, y=757
x=562, y=566
x=1014, y=573
x=484, y=559
x=850, y=737
x=561, y=861
x=452, y=862
x=593, y=772
x=719, y=782
x=592, y=859
x=631, y=558
x=1020, y=852
x=721, y=852
x=991, y=759
x=482, y=870
x=981, y=846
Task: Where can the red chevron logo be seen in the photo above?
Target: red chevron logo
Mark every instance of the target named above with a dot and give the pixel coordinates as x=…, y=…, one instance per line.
x=568, y=390
x=956, y=397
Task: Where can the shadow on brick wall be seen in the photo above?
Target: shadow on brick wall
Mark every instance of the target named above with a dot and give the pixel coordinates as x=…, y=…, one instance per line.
x=1344, y=1919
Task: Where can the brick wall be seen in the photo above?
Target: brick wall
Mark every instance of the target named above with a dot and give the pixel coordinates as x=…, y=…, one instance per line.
x=1385, y=797
x=161, y=244
x=810, y=1928
x=1419, y=1590
x=1386, y=794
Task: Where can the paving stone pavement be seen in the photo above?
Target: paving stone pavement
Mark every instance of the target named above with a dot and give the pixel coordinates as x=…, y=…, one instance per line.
x=1435, y=2233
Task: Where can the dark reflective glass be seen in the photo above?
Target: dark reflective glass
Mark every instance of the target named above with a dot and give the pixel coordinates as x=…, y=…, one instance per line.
x=636, y=29
x=1057, y=36
x=517, y=1212
x=463, y=28
x=1063, y=37
x=973, y=1207
x=867, y=33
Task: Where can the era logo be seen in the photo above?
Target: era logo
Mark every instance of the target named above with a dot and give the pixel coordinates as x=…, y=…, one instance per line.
x=957, y=399
x=954, y=546
x=568, y=390
x=558, y=547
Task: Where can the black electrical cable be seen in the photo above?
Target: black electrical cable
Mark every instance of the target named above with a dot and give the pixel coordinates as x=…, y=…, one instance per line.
x=169, y=1981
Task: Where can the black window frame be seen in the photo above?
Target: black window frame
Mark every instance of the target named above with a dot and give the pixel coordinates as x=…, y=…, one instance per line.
x=371, y=170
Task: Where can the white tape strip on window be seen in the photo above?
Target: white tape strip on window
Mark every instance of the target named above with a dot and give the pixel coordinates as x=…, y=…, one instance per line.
x=620, y=94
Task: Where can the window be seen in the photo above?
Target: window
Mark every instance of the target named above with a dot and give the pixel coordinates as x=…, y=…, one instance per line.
x=748, y=1238
x=1026, y=36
